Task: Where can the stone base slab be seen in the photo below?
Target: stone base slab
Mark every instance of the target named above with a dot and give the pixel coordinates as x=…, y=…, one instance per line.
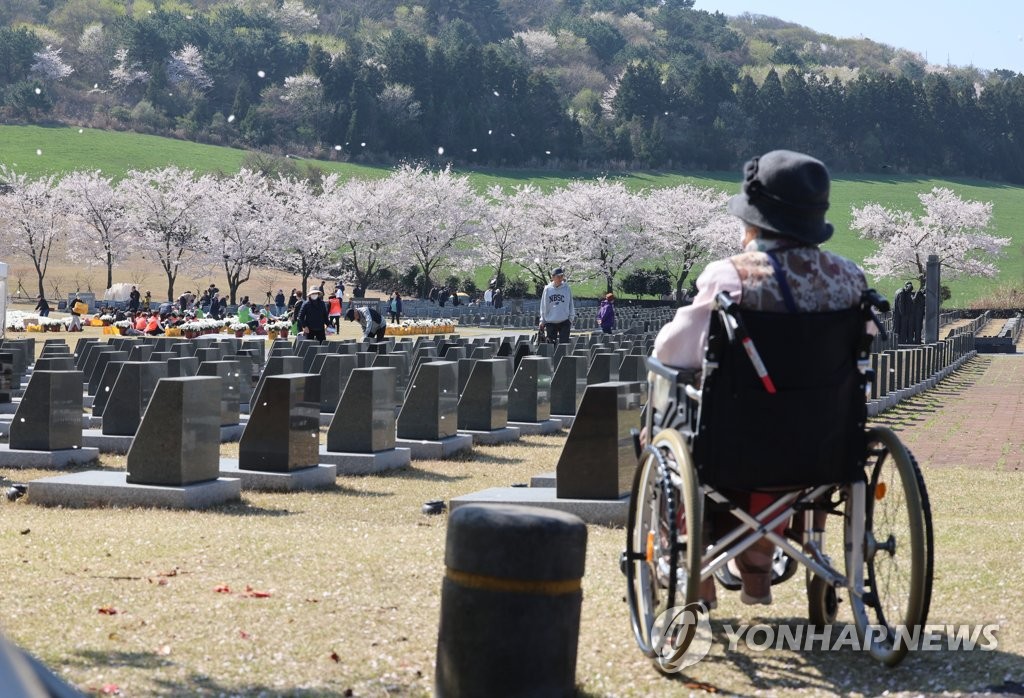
x=87, y=401
x=9, y=407
x=548, y=426
x=436, y=450
x=62, y=458
x=366, y=463
x=565, y=419
x=495, y=436
x=106, y=443
x=543, y=480
x=109, y=488
x=316, y=477
x=325, y=418
x=601, y=512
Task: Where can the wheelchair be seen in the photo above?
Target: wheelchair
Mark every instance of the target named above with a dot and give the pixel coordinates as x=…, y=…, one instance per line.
x=778, y=407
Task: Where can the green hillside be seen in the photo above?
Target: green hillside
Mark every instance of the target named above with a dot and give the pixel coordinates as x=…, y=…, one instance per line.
x=66, y=149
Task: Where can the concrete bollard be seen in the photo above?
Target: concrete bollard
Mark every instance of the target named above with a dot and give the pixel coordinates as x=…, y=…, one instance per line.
x=510, y=602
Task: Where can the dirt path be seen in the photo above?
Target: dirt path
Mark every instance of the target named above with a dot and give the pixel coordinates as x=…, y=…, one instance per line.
x=975, y=418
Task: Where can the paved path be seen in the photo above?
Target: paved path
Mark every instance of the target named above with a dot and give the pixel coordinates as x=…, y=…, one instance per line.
x=975, y=418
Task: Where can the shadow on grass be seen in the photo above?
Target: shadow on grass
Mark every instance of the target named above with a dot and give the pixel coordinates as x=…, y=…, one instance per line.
x=846, y=670
x=419, y=474
x=246, y=509
x=135, y=660
x=350, y=492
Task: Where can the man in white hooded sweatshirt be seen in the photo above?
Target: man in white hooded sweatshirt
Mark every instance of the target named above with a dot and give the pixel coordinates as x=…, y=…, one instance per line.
x=557, y=311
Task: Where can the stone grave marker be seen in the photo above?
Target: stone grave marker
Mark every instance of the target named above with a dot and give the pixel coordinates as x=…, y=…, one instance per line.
x=598, y=460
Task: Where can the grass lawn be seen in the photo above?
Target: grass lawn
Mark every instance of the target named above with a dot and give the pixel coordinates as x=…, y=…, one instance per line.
x=157, y=602
x=65, y=149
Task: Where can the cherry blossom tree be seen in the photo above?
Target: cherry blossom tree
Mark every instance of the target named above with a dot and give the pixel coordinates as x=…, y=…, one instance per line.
x=442, y=214
x=366, y=214
x=502, y=236
x=955, y=229
x=50, y=66
x=185, y=69
x=164, y=213
x=32, y=219
x=686, y=226
x=545, y=244
x=604, y=215
x=126, y=73
x=306, y=241
x=101, y=235
x=238, y=218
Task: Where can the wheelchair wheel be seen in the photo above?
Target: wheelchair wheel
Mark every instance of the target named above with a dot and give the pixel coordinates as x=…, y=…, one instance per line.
x=664, y=515
x=897, y=547
x=822, y=601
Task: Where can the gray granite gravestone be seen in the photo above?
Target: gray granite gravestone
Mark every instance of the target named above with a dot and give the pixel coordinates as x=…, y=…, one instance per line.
x=106, y=385
x=140, y=352
x=483, y=404
x=81, y=347
x=361, y=438
x=6, y=378
x=365, y=419
x=400, y=362
x=178, y=442
x=184, y=349
x=428, y=422
x=283, y=433
x=55, y=362
x=431, y=407
x=49, y=417
x=567, y=386
x=182, y=367
x=310, y=356
x=231, y=378
x=334, y=370
x=529, y=397
x=604, y=367
x=248, y=374
x=100, y=366
x=277, y=366
x=482, y=352
x=597, y=460
x=130, y=396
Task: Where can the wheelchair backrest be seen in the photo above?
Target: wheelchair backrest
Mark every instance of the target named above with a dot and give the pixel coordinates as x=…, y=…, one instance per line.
x=809, y=432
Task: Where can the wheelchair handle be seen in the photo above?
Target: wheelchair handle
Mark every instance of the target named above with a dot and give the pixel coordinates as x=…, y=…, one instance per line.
x=738, y=330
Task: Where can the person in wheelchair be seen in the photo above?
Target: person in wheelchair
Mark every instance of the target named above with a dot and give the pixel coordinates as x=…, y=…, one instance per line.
x=781, y=268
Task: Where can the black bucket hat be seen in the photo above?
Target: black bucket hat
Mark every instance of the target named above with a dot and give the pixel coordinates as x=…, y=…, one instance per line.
x=785, y=192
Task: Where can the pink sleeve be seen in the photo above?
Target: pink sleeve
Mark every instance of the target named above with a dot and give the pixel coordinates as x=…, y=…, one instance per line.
x=681, y=342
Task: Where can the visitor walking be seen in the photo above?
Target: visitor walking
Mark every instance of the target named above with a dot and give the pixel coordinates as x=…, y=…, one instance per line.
x=395, y=307
x=279, y=301
x=606, y=314
x=557, y=310
x=312, y=317
x=42, y=307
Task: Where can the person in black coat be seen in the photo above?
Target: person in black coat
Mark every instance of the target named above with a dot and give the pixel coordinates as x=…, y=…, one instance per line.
x=903, y=314
x=42, y=306
x=313, y=316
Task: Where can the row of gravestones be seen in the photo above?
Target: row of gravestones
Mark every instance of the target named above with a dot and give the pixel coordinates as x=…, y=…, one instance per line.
x=159, y=423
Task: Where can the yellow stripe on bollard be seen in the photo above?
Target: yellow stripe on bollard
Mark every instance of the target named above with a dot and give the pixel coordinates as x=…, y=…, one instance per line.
x=514, y=586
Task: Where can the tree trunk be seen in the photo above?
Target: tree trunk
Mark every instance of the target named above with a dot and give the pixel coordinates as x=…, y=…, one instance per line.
x=110, y=269
x=171, y=276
